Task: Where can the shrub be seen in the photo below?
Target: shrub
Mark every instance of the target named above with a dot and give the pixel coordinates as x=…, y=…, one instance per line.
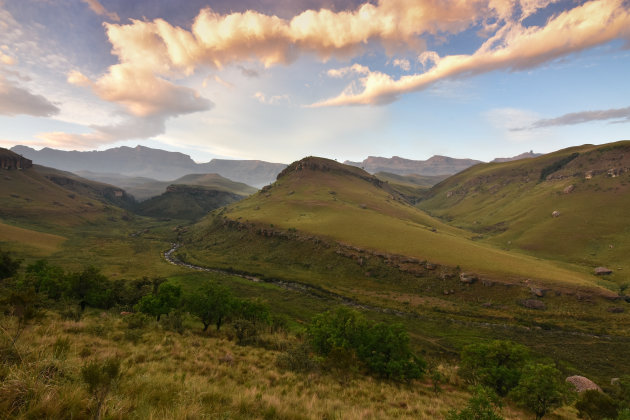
x=100, y=378
x=166, y=299
x=483, y=405
x=539, y=389
x=596, y=405
x=297, y=358
x=213, y=304
x=8, y=265
x=496, y=364
x=383, y=349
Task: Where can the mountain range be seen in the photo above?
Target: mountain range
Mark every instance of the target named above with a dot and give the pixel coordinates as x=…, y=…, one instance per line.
x=157, y=164
x=435, y=165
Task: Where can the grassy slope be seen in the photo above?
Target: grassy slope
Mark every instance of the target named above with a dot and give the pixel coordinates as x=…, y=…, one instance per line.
x=143, y=191
x=39, y=217
x=189, y=202
x=347, y=208
x=509, y=206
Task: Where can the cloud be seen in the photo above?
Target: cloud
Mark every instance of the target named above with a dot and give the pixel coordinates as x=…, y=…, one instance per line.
x=403, y=63
x=16, y=100
x=507, y=121
x=5, y=59
x=247, y=72
x=513, y=47
x=619, y=114
x=272, y=100
x=130, y=128
x=98, y=8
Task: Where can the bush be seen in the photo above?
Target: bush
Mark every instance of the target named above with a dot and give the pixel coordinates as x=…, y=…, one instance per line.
x=297, y=359
x=596, y=405
x=100, y=378
x=496, y=364
x=382, y=349
x=539, y=389
x=483, y=405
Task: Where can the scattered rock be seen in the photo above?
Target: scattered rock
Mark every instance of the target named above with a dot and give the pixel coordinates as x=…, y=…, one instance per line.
x=538, y=292
x=588, y=175
x=615, y=310
x=487, y=283
x=445, y=292
x=555, y=213
x=533, y=304
x=602, y=271
x=468, y=278
x=430, y=266
x=449, y=194
x=582, y=384
x=614, y=381
x=569, y=189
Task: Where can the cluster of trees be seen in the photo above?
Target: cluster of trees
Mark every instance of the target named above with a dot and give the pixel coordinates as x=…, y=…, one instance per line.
x=501, y=368
x=42, y=283
x=346, y=338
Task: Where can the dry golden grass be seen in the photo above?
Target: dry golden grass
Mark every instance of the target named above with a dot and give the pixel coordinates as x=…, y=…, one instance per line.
x=41, y=244
x=171, y=376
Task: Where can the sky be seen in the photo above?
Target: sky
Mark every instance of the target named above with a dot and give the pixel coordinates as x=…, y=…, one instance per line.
x=278, y=80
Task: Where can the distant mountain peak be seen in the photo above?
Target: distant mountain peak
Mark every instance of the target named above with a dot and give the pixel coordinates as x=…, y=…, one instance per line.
x=526, y=155
x=435, y=165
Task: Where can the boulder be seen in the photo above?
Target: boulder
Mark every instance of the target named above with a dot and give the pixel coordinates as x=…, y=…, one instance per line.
x=582, y=384
x=602, y=271
x=569, y=189
x=533, y=304
x=537, y=291
x=555, y=213
x=468, y=278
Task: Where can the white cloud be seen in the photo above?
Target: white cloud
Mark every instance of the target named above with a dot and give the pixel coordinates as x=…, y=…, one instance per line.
x=514, y=47
x=271, y=100
x=403, y=63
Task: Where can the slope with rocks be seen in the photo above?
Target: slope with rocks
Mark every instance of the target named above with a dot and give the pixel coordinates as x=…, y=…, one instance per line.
x=570, y=205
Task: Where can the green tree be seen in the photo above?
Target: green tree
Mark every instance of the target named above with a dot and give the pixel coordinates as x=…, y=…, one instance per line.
x=167, y=298
x=596, y=405
x=496, y=364
x=383, y=349
x=91, y=288
x=213, y=304
x=539, y=389
x=483, y=405
x=8, y=265
x=47, y=278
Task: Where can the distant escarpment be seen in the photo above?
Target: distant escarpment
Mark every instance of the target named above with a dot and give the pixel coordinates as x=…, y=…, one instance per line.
x=11, y=161
x=435, y=165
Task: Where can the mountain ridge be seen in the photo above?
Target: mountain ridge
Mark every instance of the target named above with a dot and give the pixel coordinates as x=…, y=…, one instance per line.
x=435, y=165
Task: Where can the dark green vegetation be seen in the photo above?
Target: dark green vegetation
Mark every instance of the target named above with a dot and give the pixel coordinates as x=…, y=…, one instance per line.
x=186, y=202
x=332, y=278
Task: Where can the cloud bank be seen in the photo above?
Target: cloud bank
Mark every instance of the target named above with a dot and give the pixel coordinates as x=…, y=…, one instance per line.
x=16, y=100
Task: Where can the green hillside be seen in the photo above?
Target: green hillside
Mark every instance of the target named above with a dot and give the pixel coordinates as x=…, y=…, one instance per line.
x=510, y=205
x=143, y=188
x=189, y=202
x=412, y=187
x=346, y=204
x=93, y=189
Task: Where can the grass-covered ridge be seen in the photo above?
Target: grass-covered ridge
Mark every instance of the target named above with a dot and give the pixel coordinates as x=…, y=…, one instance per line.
x=510, y=205
x=345, y=204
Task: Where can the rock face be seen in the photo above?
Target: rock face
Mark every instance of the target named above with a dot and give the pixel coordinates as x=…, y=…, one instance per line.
x=582, y=384
x=533, y=304
x=435, y=165
x=12, y=161
x=468, y=278
x=602, y=271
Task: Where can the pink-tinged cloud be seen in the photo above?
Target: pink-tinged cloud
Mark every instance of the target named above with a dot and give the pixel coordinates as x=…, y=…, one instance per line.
x=100, y=10
x=16, y=100
x=513, y=47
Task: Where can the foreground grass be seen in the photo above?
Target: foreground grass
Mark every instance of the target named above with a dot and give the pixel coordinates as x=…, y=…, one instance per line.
x=174, y=376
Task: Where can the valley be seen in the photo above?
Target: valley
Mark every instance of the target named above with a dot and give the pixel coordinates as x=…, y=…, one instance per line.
x=434, y=255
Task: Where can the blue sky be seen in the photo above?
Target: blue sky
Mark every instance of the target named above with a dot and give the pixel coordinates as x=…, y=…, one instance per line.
x=271, y=80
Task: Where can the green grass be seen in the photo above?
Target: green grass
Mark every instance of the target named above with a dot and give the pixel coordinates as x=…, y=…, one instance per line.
x=346, y=208
x=29, y=241
x=507, y=205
